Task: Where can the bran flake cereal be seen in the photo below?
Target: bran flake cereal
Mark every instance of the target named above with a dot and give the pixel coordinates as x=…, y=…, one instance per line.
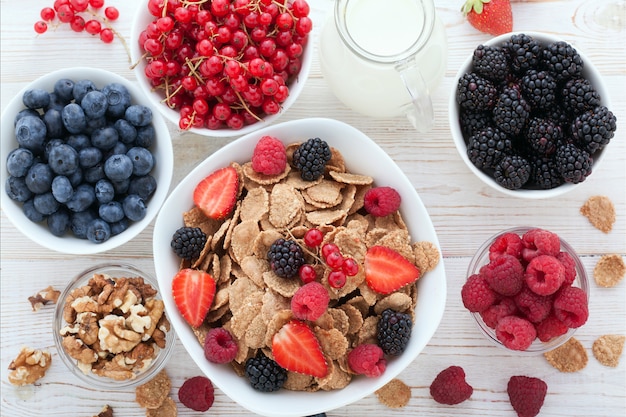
x=394, y=394
x=571, y=356
x=152, y=394
x=609, y=270
x=607, y=349
x=600, y=211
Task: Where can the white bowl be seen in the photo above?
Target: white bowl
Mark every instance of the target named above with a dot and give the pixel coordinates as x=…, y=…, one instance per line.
x=590, y=72
x=141, y=21
x=362, y=155
x=162, y=171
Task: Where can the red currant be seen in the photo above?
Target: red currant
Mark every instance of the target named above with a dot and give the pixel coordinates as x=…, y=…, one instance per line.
x=329, y=248
x=300, y=8
x=106, y=35
x=47, y=13
x=350, y=267
x=337, y=279
x=220, y=8
x=41, y=27
x=235, y=121
x=65, y=13
x=96, y=4
x=334, y=260
x=313, y=238
x=77, y=24
x=307, y=273
x=111, y=13
x=304, y=25
x=93, y=27
x=79, y=5
x=222, y=111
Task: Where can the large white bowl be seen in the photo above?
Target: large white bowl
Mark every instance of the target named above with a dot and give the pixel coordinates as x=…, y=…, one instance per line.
x=362, y=156
x=141, y=21
x=162, y=171
x=590, y=72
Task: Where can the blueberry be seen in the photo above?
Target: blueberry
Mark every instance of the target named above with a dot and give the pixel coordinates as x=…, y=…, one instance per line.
x=127, y=132
x=95, y=124
x=45, y=203
x=31, y=212
x=79, y=222
x=56, y=103
x=19, y=161
x=89, y=157
x=17, y=189
x=111, y=212
x=138, y=115
x=118, y=167
x=104, y=191
x=134, y=207
x=79, y=141
x=81, y=88
x=48, y=147
x=74, y=118
x=98, y=231
x=143, y=160
x=146, y=135
x=64, y=89
x=76, y=178
x=83, y=197
x=118, y=99
x=36, y=98
x=63, y=159
x=121, y=187
x=94, y=104
x=24, y=113
x=62, y=189
x=143, y=186
x=119, y=148
x=30, y=132
x=119, y=227
x=94, y=174
x=54, y=123
x=59, y=222
x=39, y=178
x=104, y=138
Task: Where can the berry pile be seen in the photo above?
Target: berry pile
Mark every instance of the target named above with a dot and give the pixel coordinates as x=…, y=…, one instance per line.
x=227, y=63
x=530, y=118
x=82, y=16
x=525, y=291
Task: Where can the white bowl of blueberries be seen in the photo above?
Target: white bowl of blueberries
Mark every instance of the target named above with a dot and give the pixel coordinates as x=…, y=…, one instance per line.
x=86, y=163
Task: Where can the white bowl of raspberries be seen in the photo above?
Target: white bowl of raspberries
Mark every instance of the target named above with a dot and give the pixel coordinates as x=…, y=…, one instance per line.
x=86, y=163
x=530, y=115
x=219, y=69
x=527, y=290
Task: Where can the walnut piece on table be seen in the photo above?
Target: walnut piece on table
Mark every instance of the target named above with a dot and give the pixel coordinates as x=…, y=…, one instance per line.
x=29, y=366
x=106, y=411
x=46, y=296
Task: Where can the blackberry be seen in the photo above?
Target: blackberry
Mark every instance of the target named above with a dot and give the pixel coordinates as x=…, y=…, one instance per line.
x=573, y=163
x=539, y=89
x=511, y=111
x=512, y=172
x=545, y=173
x=523, y=51
x=562, y=60
x=490, y=62
x=558, y=115
x=285, y=257
x=578, y=96
x=264, y=374
x=475, y=93
x=394, y=331
x=311, y=158
x=594, y=129
x=472, y=122
x=543, y=135
x=487, y=147
x=188, y=242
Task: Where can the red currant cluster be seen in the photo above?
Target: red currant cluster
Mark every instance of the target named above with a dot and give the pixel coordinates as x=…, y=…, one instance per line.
x=340, y=266
x=224, y=63
x=81, y=15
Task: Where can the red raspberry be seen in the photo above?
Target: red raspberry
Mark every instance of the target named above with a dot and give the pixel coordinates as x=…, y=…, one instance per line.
x=269, y=156
x=505, y=307
x=535, y=307
x=381, y=201
x=570, y=306
x=476, y=294
x=449, y=386
x=310, y=301
x=515, y=332
x=526, y=395
x=540, y=242
x=506, y=244
x=550, y=328
x=220, y=346
x=505, y=275
x=544, y=274
x=197, y=393
x=569, y=267
x=368, y=360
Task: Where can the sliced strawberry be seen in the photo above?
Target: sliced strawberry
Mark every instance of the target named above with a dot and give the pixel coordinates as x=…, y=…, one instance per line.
x=296, y=349
x=216, y=194
x=387, y=271
x=193, y=292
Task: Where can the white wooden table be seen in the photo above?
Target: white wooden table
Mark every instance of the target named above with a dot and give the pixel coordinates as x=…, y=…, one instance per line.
x=464, y=212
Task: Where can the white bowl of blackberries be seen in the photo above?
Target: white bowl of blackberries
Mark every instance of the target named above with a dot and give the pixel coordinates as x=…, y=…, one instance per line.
x=530, y=115
x=86, y=162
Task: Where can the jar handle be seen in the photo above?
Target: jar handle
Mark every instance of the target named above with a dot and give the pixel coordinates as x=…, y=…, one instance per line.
x=420, y=111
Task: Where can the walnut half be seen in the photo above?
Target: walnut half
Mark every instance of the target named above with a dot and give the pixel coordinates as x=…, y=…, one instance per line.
x=29, y=366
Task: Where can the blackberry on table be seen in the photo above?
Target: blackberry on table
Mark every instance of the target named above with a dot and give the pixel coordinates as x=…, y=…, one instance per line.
x=511, y=111
x=475, y=93
x=490, y=62
x=188, y=242
x=394, y=331
x=264, y=374
x=512, y=172
x=578, y=96
x=472, y=122
x=562, y=60
x=285, y=257
x=545, y=174
x=524, y=52
x=311, y=158
x=594, y=129
x=543, y=135
x=487, y=146
x=573, y=163
x=539, y=88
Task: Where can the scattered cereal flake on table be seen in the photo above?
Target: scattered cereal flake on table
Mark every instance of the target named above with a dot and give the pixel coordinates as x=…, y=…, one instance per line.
x=600, y=211
x=153, y=393
x=46, y=296
x=166, y=409
x=395, y=394
x=106, y=411
x=571, y=356
x=29, y=366
x=607, y=349
x=609, y=270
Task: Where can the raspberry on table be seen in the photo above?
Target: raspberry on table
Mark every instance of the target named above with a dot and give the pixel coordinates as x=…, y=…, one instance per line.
x=550, y=328
x=515, y=332
x=502, y=308
x=197, y=393
x=450, y=387
x=269, y=156
x=570, y=306
x=533, y=306
x=310, y=301
x=394, y=331
x=188, y=242
x=505, y=275
x=367, y=359
x=381, y=201
x=476, y=294
x=544, y=275
x=220, y=346
x=526, y=394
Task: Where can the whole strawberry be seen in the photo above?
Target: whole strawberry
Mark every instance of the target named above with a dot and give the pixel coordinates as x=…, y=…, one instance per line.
x=526, y=395
x=489, y=16
x=449, y=386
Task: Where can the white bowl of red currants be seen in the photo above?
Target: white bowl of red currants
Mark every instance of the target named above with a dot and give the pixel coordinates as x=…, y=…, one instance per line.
x=220, y=69
x=530, y=115
x=86, y=163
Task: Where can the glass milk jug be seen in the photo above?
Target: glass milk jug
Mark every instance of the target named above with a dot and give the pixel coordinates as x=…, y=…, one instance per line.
x=382, y=58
